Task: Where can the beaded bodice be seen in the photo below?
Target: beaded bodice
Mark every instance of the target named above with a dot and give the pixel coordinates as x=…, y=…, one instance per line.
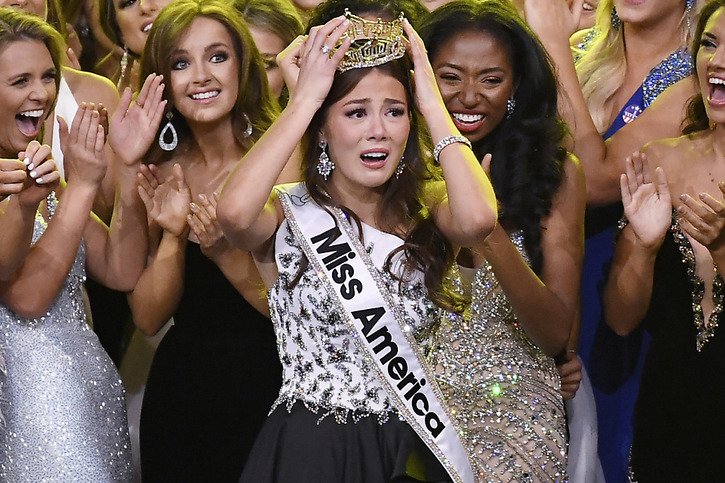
x=502, y=389
x=322, y=364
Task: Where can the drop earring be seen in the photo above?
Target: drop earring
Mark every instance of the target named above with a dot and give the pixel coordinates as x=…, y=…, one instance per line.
x=169, y=127
x=616, y=22
x=401, y=167
x=247, y=132
x=325, y=164
x=510, y=107
x=124, y=67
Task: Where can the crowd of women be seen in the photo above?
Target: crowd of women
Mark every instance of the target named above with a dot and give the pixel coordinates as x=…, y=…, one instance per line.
x=397, y=240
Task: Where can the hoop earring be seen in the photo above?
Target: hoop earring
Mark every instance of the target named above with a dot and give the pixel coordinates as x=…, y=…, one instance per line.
x=401, y=167
x=325, y=164
x=510, y=107
x=247, y=132
x=169, y=127
x=616, y=22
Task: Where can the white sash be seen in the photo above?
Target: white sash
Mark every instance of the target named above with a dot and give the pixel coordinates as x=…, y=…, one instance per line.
x=370, y=313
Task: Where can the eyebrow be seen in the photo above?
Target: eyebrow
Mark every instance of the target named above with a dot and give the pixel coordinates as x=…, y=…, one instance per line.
x=367, y=100
x=488, y=70
x=213, y=46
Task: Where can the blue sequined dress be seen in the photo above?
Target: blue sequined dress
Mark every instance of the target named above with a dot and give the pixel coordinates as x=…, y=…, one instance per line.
x=501, y=388
x=62, y=407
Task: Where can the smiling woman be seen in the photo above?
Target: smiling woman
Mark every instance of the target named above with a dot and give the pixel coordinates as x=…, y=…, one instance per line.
x=215, y=373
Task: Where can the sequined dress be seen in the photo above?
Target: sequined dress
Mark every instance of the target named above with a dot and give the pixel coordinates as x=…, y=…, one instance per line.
x=679, y=420
x=332, y=420
x=62, y=407
x=501, y=388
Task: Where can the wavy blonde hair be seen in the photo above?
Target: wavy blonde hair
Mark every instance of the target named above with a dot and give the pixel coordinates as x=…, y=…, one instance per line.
x=601, y=66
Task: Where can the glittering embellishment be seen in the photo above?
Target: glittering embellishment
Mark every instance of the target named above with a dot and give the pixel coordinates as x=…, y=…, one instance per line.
x=674, y=68
x=705, y=331
x=322, y=365
x=63, y=400
x=502, y=389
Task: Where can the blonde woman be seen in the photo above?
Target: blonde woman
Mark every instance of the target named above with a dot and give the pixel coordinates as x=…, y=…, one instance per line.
x=615, y=101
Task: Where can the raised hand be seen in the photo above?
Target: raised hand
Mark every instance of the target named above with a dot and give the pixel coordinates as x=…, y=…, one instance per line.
x=289, y=62
x=319, y=60
x=704, y=220
x=427, y=95
x=553, y=19
x=203, y=223
x=134, y=125
x=83, y=156
x=647, y=204
x=41, y=178
x=148, y=180
x=12, y=177
x=169, y=201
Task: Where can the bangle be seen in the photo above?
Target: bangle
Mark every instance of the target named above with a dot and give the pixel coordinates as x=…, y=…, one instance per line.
x=447, y=141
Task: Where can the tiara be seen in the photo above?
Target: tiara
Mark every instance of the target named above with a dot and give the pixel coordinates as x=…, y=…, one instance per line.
x=374, y=42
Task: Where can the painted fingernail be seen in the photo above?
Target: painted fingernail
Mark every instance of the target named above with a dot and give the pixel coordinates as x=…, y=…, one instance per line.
x=40, y=180
x=683, y=197
x=193, y=206
x=202, y=197
x=702, y=196
x=26, y=161
x=31, y=165
x=33, y=174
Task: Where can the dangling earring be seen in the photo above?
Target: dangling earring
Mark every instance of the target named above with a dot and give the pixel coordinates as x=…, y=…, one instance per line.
x=174, y=136
x=616, y=22
x=247, y=132
x=401, y=167
x=510, y=107
x=325, y=164
x=124, y=67
x=689, y=4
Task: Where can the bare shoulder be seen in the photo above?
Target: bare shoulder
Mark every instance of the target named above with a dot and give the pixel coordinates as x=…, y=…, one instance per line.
x=670, y=152
x=89, y=87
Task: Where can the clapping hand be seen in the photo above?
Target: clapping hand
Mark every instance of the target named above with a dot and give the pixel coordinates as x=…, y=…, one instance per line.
x=38, y=172
x=167, y=203
x=203, y=223
x=552, y=19
x=704, y=219
x=83, y=156
x=647, y=204
x=134, y=125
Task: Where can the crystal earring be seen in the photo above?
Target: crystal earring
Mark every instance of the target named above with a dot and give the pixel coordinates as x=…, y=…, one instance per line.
x=616, y=22
x=401, y=167
x=247, y=132
x=325, y=164
x=124, y=67
x=174, y=136
x=510, y=107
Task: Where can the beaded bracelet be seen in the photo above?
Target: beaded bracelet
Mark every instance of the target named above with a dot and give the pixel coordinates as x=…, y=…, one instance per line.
x=447, y=141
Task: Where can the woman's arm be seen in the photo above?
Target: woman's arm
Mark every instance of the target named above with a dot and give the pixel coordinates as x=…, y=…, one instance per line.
x=251, y=219
x=36, y=283
x=546, y=306
x=159, y=289
x=17, y=214
x=648, y=208
x=464, y=206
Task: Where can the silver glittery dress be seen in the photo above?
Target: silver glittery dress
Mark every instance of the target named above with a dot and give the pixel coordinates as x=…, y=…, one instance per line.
x=501, y=388
x=62, y=409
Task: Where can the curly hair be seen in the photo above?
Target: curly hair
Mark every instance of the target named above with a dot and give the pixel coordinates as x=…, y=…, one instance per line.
x=528, y=158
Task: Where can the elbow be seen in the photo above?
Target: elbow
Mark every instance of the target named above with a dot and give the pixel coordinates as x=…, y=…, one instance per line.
x=478, y=225
x=148, y=330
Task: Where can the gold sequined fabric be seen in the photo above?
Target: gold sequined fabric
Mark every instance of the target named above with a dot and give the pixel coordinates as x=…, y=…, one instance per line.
x=502, y=390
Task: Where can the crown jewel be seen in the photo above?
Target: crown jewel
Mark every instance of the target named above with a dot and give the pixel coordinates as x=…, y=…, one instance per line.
x=374, y=42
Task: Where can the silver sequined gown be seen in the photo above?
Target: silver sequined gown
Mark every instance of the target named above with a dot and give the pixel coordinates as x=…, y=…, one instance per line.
x=62, y=409
x=502, y=390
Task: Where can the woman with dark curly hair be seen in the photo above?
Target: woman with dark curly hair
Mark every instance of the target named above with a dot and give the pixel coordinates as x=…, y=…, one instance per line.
x=495, y=364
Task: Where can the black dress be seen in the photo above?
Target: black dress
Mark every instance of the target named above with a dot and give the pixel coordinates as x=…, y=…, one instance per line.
x=213, y=380
x=679, y=422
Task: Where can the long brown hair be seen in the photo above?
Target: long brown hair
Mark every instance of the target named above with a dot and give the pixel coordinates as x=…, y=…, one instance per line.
x=425, y=247
x=254, y=102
